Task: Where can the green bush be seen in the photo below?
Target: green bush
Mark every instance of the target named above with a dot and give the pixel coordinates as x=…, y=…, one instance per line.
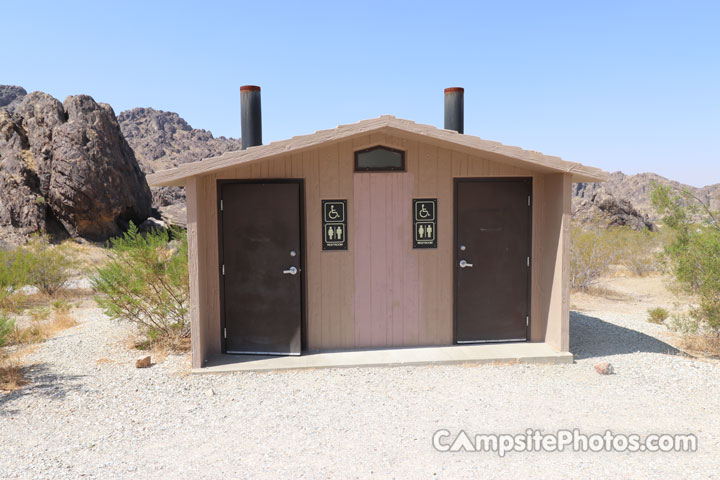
x=13, y=273
x=693, y=255
x=657, y=315
x=638, y=251
x=6, y=327
x=592, y=251
x=146, y=283
x=47, y=267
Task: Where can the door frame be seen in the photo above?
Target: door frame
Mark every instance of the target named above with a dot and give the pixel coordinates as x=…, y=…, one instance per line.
x=303, y=264
x=456, y=180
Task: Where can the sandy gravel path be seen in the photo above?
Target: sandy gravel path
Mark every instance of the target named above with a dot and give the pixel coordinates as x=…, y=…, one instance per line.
x=89, y=413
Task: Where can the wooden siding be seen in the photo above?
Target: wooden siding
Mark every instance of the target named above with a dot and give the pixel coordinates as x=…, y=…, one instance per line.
x=381, y=292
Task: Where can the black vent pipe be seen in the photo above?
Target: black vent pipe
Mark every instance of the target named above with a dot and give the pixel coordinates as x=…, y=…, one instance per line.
x=455, y=109
x=250, y=116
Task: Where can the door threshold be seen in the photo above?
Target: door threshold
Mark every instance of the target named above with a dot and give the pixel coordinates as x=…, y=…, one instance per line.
x=279, y=354
x=493, y=341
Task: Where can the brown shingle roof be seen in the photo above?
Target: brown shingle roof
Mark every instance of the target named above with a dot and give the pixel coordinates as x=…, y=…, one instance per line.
x=388, y=123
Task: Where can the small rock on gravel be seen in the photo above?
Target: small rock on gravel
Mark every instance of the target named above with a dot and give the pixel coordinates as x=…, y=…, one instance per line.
x=604, y=368
x=143, y=362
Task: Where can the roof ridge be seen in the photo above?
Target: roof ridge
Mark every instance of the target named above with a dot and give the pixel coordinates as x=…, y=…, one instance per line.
x=344, y=131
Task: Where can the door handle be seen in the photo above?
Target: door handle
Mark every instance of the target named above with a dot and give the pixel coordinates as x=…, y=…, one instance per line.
x=291, y=271
x=464, y=264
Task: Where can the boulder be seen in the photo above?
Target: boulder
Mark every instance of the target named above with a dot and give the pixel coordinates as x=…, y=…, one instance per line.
x=66, y=168
x=97, y=186
x=152, y=224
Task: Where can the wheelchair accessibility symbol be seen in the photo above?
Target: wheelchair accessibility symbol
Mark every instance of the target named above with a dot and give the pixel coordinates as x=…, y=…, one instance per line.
x=425, y=210
x=332, y=214
x=334, y=211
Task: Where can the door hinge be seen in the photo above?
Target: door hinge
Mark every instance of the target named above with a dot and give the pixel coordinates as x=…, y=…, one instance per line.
x=223, y=269
x=529, y=202
x=528, y=261
x=221, y=205
x=527, y=321
x=225, y=332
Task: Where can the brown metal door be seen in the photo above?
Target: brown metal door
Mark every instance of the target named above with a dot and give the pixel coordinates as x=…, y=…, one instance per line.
x=262, y=261
x=492, y=260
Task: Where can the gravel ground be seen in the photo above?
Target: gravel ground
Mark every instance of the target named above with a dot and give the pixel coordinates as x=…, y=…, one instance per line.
x=89, y=413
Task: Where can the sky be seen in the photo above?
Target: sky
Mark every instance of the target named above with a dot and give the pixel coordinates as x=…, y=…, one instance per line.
x=631, y=86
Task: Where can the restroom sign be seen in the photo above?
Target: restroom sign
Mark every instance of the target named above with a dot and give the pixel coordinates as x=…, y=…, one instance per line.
x=425, y=223
x=334, y=225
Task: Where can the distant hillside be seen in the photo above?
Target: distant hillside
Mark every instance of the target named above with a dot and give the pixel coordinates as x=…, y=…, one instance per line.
x=636, y=189
x=164, y=140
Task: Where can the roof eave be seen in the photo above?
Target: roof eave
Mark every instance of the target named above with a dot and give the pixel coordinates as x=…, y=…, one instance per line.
x=534, y=160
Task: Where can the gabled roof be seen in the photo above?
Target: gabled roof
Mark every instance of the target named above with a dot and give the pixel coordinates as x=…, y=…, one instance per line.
x=388, y=124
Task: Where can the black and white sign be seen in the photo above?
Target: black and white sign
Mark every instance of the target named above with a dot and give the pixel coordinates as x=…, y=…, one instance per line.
x=425, y=223
x=334, y=225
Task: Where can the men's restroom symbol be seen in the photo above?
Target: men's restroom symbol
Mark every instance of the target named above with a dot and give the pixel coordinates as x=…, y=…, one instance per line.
x=335, y=233
x=425, y=231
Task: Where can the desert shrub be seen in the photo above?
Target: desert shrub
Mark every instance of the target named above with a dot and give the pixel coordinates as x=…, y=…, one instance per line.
x=693, y=255
x=638, y=250
x=47, y=267
x=6, y=328
x=61, y=306
x=13, y=273
x=146, y=283
x=657, y=315
x=592, y=251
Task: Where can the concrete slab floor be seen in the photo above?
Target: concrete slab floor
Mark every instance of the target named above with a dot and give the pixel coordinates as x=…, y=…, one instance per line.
x=525, y=352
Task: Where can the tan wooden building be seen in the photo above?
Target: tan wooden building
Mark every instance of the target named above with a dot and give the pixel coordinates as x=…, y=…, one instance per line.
x=382, y=233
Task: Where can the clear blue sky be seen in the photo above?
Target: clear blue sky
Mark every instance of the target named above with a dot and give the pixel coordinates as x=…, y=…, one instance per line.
x=632, y=86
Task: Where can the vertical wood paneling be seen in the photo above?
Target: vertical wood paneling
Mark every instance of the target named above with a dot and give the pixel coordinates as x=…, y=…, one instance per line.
x=199, y=342
x=329, y=261
x=313, y=249
x=411, y=285
x=378, y=257
x=381, y=292
x=363, y=268
x=397, y=238
x=346, y=284
x=446, y=235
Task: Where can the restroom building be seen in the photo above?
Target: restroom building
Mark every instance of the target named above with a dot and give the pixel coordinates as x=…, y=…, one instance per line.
x=383, y=233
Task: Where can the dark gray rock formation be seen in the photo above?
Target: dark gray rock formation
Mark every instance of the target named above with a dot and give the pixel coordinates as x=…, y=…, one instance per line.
x=636, y=189
x=602, y=208
x=164, y=140
x=67, y=168
x=11, y=95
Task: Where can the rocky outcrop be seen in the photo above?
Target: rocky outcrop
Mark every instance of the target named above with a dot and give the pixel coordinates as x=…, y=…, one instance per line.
x=636, y=189
x=67, y=168
x=11, y=95
x=602, y=208
x=164, y=140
